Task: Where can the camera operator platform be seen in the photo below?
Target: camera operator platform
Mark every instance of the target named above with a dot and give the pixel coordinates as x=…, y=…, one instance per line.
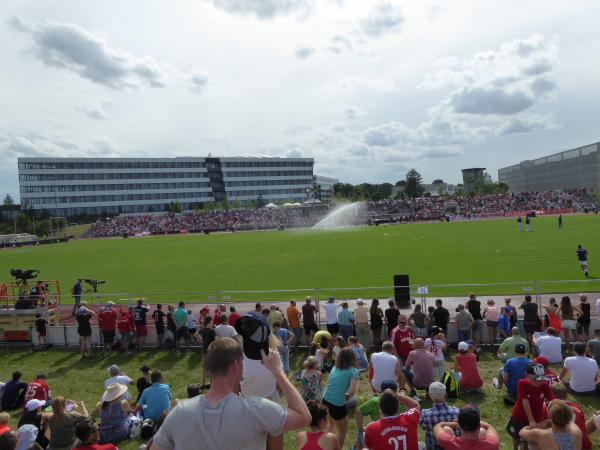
x=22, y=299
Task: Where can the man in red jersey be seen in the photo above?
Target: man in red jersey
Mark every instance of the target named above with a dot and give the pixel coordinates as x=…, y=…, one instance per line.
x=560, y=392
x=394, y=431
x=37, y=389
x=529, y=409
x=108, y=323
x=403, y=337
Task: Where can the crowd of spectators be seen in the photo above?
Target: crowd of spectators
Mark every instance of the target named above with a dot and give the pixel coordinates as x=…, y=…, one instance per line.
x=246, y=360
x=422, y=208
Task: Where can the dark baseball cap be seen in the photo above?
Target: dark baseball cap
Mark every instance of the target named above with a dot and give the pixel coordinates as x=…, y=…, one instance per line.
x=520, y=348
x=538, y=371
x=255, y=333
x=389, y=384
x=468, y=418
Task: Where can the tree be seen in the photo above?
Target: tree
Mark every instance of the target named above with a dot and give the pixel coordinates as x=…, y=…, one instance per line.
x=8, y=200
x=414, y=188
x=24, y=224
x=174, y=208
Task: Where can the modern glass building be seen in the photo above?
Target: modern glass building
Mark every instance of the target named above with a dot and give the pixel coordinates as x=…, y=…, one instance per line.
x=97, y=186
x=571, y=169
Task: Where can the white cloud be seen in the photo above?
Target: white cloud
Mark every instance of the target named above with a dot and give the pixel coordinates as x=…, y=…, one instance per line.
x=263, y=9
x=350, y=84
x=71, y=48
x=198, y=80
x=304, y=52
x=93, y=112
x=526, y=124
x=484, y=100
x=382, y=19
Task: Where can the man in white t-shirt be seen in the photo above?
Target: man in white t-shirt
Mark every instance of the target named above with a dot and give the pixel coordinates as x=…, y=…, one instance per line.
x=385, y=364
x=331, y=316
x=549, y=345
x=223, y=329
x=583, y=370
x=117, y=377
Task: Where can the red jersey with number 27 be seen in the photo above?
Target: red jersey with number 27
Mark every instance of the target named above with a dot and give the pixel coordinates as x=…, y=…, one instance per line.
x=394, y=433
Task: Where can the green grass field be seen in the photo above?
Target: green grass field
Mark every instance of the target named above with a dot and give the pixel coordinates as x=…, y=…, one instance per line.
x=479, y=252
x=78, y=379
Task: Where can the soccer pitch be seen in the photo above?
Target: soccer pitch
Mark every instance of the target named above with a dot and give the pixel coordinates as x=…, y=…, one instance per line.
x=487, y=251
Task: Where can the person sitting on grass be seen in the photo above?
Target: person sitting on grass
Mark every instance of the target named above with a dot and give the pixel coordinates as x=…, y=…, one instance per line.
x=14, y=392
x=419, y=368
x=359, y=352
x=310, y=380
x=114, y=411
x=439, y=412
x=563, y=434
x=529, y=409
x=317, y=437
x=4, y=419
x=143, y=382
x=385, y=366
x=33, y=416
x=62, y=423
x=514, y=370
x=507, y=347
x=156, y=399
x=550, y=374
x=465, y=363
x=393, y=428
x=560, y=393
x=371, y=409
x=549, y=345
x=474, y=434
x=88, y=433
x=583, y=372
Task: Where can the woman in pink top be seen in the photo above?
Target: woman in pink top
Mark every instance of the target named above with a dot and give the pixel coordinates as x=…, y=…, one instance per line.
x=466, y=364
x=317, y=438
x=491, y=314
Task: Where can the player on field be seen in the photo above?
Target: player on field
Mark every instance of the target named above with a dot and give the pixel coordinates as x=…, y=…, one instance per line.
x=582, y=257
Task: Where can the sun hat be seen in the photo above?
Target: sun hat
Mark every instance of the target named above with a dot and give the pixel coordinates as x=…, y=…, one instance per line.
x=34, y=404
x=538, y=372
x=468, y=418
x=463, y=346
x=113, y=392
x=437, y=389
x=255, y=333
x=27, y=436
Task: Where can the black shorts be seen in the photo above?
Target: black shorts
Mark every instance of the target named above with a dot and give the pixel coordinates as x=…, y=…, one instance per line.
x=182, y=333
x=309, y=328
x=333, y=328
x=108, y=336
x=530, y=327
x=336, y=412
x=160, y=329
x=513, y=427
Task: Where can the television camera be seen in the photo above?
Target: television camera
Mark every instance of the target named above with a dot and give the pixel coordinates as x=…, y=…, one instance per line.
x=93, y=284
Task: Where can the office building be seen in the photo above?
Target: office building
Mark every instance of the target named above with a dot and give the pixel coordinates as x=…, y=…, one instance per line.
x=98, y=186
x=570, y=169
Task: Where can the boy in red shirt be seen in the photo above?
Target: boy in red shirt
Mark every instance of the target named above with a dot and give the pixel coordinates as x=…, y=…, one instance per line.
x=126, y=327
x=529, y=409
x=38, y=389
x=394, y=430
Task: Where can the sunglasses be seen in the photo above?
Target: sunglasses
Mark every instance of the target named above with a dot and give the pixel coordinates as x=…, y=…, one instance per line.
x=402, y=323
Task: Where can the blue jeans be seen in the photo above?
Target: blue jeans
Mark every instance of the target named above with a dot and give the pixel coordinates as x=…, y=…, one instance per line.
x=463, y=335
x=284, y=353
x=346, y=331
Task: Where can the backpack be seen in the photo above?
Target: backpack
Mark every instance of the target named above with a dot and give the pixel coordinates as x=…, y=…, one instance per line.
x=135, y=427
x=451, y=385
x=147, y=429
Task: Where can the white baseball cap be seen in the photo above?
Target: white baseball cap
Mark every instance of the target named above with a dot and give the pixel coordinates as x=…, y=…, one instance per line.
x=463, y=346
x=34, y=404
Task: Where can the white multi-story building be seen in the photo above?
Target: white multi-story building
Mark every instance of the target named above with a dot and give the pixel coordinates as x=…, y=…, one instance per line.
x=97, y=186
x=324, y=186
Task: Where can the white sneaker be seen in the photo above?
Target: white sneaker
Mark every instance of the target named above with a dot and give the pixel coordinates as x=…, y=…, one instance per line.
x=495, y=382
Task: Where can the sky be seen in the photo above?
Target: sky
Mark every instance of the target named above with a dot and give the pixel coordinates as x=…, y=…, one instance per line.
x=368, y=88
